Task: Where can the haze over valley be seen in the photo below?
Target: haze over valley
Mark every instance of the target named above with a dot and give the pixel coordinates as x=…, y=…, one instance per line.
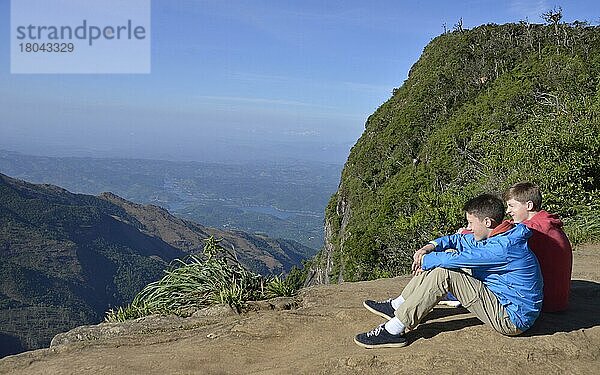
x=281, y=199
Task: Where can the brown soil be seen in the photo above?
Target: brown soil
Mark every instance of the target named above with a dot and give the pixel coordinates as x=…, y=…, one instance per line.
x=317, y=338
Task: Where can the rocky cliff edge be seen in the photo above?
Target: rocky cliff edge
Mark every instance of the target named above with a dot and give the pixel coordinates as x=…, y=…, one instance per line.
x=313, y=334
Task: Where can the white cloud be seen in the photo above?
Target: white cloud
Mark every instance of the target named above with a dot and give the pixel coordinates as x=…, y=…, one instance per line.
x=252, y=100
x=303, y=133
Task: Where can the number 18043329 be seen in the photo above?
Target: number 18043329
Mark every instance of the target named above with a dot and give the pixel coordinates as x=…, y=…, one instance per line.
x=47, y=47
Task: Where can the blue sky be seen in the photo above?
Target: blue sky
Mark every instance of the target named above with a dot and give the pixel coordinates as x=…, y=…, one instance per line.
x=242, y=80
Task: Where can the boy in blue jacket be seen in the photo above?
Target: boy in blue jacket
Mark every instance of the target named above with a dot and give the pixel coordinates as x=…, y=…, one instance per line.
x=503, y=288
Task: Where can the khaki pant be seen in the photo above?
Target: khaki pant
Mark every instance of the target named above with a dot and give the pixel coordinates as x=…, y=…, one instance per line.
x=425, y=290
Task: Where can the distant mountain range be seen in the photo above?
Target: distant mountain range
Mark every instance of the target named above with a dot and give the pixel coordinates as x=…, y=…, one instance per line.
x=66, y=258
x=283, y=199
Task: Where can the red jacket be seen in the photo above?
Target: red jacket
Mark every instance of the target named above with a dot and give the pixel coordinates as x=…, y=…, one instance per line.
x=553, y=250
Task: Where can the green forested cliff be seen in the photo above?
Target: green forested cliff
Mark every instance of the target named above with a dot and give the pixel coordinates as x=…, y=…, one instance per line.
x=480, y=110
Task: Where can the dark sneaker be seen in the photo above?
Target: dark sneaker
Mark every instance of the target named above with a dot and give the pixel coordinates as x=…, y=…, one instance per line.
x=380, y=338
x=382, y=308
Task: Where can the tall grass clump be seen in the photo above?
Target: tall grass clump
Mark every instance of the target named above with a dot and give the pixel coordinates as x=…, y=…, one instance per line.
x=200, y=281
x=584, y=227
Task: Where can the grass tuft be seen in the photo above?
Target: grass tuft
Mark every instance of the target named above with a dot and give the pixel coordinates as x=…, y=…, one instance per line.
x=197, y=282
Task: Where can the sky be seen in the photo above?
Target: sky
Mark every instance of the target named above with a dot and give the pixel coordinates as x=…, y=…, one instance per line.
x=236, y=80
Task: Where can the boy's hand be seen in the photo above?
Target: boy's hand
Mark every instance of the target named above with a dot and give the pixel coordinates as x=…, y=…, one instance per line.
x=417, y=266
x=418, y=258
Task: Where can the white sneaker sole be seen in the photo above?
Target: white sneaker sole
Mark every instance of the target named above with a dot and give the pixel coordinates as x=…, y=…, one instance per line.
x=389, y=345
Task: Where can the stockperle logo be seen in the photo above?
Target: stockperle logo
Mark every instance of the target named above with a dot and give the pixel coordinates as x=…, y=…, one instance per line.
x=80, y=36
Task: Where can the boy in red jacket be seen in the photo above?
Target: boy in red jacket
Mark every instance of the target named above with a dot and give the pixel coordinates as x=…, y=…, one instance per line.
x=549, y=243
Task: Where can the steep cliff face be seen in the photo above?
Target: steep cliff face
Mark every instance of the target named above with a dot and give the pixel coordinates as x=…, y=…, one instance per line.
x=480, y=110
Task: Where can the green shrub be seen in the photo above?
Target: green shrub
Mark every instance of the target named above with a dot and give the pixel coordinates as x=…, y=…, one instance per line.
x=197, y=282
x=584, y=227
x=279, y=286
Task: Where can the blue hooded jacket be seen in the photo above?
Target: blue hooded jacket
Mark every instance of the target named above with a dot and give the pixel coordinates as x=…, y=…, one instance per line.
x=503, y=263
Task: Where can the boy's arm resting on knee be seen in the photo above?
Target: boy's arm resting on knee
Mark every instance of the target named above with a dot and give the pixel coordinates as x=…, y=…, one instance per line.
x=470, y=254
x=426, y=249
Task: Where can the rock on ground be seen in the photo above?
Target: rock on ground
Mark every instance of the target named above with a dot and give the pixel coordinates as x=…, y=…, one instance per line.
x=316, y=337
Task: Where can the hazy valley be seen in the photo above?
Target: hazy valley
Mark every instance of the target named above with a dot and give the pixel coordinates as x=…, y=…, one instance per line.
x=280, y=199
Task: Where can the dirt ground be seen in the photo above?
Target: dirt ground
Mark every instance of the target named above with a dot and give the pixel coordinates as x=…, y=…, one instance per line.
x=317, y=338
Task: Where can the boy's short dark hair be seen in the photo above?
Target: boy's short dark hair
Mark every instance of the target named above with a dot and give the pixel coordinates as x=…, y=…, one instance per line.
x=486, y=205
x=524, y=192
